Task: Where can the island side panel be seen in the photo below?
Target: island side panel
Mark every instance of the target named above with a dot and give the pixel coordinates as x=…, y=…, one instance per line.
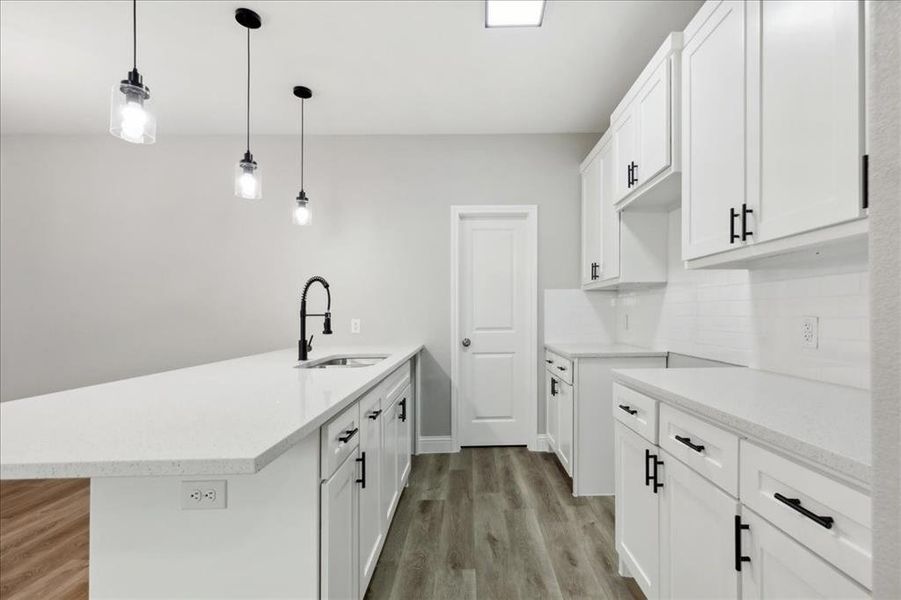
x=264, y=544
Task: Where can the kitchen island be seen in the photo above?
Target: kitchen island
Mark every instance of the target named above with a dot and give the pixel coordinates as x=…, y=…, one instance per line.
x=246, y=429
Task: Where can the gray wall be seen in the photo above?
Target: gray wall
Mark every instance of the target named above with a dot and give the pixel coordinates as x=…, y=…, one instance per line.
x=885, y=267
x=121, y=260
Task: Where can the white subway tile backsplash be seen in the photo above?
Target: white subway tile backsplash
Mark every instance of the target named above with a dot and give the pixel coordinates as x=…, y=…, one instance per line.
x=753, y=317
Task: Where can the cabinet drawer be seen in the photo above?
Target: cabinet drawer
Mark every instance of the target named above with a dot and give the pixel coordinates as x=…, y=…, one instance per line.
x=636, y=411
x=338, y=438
x=394, y=384
x=829, y=517
x=709, y=450
x=561, y=367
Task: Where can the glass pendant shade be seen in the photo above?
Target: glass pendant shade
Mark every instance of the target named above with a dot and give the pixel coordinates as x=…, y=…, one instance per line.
x=131, y=117
x=248, y=179
x=303, y=214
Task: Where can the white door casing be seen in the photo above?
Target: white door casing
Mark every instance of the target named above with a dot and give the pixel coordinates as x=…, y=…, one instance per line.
x=494, y=306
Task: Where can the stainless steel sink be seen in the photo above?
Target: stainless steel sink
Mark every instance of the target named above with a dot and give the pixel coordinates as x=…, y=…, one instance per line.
x=346, y=361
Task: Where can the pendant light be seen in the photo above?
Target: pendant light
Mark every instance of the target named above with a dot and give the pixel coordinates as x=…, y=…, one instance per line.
x=130, y=117
x=248, y=175
x=302, y=212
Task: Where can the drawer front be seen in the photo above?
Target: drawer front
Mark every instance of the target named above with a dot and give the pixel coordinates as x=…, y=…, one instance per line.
x=636, y=411
x=395, y=384
x=709, y=450
x=827, y=516
x=371, y=404
x=338, y=438
x=560, y=367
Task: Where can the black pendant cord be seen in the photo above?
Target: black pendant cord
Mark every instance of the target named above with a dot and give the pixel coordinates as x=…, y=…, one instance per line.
x=248, y=91
x=301, y=144
x=134, y=34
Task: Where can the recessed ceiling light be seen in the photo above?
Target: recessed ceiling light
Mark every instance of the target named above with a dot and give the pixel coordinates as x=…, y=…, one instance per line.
x=514, y=13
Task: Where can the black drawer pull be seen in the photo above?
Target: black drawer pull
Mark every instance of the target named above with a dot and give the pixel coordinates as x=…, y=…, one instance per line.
x=345, y=437
x=374, y=414
x=561, y=368
x=739, y=526
x=687, y=441
x=403, y=413
x=628, y=409
x=548, y=361
x=795, y=504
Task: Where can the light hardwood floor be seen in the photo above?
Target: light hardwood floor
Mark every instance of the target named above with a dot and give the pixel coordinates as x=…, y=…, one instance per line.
x=487, y=523
x=498, y=523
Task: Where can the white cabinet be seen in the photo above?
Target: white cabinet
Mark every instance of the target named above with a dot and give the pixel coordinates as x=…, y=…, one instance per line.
x=404, y=438
x=390, y=488
x=371, y=531
x=551, y=385
x=773, y=130
x=645, y=131
x=697, y=535
x=592, y=249
x=340, y=498
x=782, y=568
x=564, y=437
x=713, y=135
x=637, y=514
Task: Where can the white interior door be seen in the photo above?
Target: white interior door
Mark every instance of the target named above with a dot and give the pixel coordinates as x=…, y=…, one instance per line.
x=494, y=343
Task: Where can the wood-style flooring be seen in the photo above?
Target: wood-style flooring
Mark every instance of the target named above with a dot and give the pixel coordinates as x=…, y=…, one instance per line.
x=44, y=539
x=487, y=523
x=497, y=523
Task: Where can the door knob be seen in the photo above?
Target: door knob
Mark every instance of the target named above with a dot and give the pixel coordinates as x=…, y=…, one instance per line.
x=466, y=342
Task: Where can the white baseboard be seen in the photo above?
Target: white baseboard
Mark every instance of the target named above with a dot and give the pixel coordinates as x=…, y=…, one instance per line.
x=434, y=444
x=542, y=444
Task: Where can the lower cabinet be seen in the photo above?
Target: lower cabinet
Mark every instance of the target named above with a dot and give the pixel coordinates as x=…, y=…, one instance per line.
x=372, y=533
x=404, y=438
x=550, y=398
x=564, y=437
x=390, y=487
x=780, y=567
x=340, y=501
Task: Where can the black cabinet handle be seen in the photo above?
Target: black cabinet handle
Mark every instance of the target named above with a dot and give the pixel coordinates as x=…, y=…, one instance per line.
x=733, y=214
x=687, y=441
x=628, y=409
x=647, y=469
x=548, y=361
x=657, y=463
x=561, y=368
x=629, y=176
x=739, y=526
x=651, y=478
x=347, y=435
x=374, y=414
x=634, y=173
x=795, y=504
x=403, y=412
x=745, y=211
x=553, y=387
x=362, y=479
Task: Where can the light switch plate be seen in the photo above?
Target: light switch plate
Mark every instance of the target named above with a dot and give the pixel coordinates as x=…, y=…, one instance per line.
x=355, y=325
x=203, y=495
x=810, y=332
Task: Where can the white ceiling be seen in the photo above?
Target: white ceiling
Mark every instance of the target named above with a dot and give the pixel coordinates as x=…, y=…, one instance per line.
x=399, y=67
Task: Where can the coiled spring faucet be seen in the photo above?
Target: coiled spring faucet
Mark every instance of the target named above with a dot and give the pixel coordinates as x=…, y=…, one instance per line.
x=304, y=346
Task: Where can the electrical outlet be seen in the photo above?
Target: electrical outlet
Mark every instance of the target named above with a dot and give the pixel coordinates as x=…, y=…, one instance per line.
x=203, y=495
x=810, y=334
x=355, y=325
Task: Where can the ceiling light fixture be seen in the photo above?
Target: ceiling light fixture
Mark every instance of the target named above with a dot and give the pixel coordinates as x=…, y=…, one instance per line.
x=130, y=117
x=514, y=13
x=302, y=212
x=248, y=175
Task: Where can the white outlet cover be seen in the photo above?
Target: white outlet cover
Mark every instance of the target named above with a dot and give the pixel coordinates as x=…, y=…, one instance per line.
x=355, y=325
x=810, y=334
x=203, y=495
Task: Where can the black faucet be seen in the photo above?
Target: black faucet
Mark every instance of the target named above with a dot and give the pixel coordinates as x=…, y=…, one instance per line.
x=303, y=345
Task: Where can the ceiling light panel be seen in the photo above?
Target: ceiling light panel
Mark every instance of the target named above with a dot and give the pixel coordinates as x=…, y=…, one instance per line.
x=514, y=13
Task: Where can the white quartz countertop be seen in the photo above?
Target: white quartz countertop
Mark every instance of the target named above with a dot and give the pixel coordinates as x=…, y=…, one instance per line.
x=224, y=418
x=821, y=422
x=593, y=350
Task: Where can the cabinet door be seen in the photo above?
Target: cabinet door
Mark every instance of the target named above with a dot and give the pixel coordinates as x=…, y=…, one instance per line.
x=610, y=219
x=591, y=219
x=340, y=496
x=624, y=134
x=552, y=384
x=805, y=123
x=782, y=568
x=371, y=530
x=636, y=511
x=713, y=131
x=389, y=485
x=652, y=107
x=697, y=536
x=565, y=426
x=404, y=439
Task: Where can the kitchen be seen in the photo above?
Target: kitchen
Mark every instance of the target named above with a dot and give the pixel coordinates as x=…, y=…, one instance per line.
x=540, y=314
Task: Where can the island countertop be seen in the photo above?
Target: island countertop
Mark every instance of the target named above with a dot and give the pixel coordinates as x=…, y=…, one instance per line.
x=224, y=418
x=824, y=423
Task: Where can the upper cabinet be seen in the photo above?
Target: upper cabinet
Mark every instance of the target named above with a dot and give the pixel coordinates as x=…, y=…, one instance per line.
x=773, y=130
x=645, y=134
